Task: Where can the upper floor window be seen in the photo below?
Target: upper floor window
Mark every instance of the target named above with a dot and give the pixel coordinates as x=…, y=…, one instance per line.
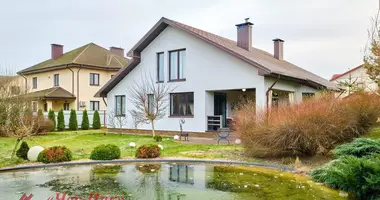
x=177, y=61
x=34, y=82
x=182, y=104
x=160, y=67
x=94, y=105
x=94, y=79
x=56, y=79
x=120, y=105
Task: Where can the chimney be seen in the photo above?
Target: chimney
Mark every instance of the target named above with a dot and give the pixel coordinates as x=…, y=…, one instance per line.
x=118, y=51
x=278, y=49
x=244, y=35
x=56, y=51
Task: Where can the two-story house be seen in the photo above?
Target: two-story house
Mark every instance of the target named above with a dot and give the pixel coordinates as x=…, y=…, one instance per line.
x=210, y=74
x=70, y=80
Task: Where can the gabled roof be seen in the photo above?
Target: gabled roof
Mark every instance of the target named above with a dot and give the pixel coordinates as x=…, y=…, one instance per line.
x=264, y=61
x=51, y=93
x=336, y=76
x=89, y=55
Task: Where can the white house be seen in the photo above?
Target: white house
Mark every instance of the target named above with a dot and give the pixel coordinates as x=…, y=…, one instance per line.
x=211, y=74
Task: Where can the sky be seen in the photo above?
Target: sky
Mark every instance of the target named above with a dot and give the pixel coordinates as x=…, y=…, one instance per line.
x=325, y=37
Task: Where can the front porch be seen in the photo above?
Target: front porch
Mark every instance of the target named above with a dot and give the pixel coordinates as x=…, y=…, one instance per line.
x=55, y=98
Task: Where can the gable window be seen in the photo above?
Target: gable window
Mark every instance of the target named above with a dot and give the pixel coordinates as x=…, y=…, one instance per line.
x=34, y=82
x=56, y=79
x=66, y=106
x=94, y=79
x=160, y=67
x=177, y=61
x=120, y=105
x=150, y=103
x=34, y=106
x=182, y=104
x=94, y=105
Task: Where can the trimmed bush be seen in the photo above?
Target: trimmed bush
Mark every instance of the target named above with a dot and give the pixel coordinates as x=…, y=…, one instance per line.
x=73, y=122
x=43, y=126
x=359, y=147
x=85, y=123
x=51, y=117
x=61, y=121
x=158, y=138
x=55, y=154
x=360, y=177
x=22, y=152
x=96, y=120
x=105, y=152
x=148, y=151
x=312, y=127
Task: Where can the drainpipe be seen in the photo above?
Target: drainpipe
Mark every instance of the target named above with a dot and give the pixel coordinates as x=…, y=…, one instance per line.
x=26, y=83
x=78, y=86
x=104, y=100
x=267, y=92
x=72, y=79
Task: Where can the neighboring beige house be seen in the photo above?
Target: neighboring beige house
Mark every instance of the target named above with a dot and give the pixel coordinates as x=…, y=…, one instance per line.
x=357, y=76
x=11, y=85
x=70, y=80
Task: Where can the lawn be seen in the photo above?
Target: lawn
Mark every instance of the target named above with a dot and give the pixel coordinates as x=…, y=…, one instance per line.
x=81, y=144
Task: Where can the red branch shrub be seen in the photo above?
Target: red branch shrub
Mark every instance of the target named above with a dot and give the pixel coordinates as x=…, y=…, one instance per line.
x=311, y=127
x=55, y=154
x=148, y=151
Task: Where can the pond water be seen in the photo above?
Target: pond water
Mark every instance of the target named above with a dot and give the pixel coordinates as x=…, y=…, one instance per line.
x=169, y=181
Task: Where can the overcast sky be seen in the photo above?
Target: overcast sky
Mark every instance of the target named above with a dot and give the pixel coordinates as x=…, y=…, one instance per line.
x=322, y=36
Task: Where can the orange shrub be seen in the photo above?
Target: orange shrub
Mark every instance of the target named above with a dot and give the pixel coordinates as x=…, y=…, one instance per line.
x=148, y=151
x=313, y=126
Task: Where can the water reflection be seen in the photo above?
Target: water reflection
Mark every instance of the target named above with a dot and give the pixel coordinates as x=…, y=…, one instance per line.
x=159, y=181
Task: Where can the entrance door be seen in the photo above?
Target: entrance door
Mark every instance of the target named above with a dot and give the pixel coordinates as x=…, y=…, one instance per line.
x=220, y=106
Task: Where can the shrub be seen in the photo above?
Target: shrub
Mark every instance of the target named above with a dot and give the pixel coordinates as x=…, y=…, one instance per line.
x=105, y=152
x=85, y=124
x=359, y=147
x=22, y=152
x=96, y=120
x=61, y=121
x=158, y=138
x=358, y=176
x=73, y=122
x=43, y=125
x=51, y=117
x=314, y=126
x=55, y=154
x=148, y=151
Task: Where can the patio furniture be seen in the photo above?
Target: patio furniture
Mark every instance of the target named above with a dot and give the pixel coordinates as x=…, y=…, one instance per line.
x=223, y=134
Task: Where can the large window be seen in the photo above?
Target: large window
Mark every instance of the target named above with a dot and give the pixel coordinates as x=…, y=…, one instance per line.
x=56, y=79
x=94, y=105
x=34, y=82
x=177, y=61
x=182, y=104
x=94, y=79
x=160, y=67
x=120, y=105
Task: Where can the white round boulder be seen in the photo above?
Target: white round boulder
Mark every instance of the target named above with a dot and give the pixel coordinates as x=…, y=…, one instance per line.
x=132, y=144
x=161, y=147
x=237, y=141
x=33, y=153
x=176, y=137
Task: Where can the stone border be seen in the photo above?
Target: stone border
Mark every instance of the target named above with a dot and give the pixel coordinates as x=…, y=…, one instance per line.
x=273, y=166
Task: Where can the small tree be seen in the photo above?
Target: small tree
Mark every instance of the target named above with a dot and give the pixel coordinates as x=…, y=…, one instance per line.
x=96, y=120
x=85, y=124
x=22, y=152
x=372, y=51
x=73, y=122
x=61, y=121
x=51, y=117
x=150, y=100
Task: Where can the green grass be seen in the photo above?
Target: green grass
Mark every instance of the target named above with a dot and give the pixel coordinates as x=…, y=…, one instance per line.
x=374, y=133
x=81, y=143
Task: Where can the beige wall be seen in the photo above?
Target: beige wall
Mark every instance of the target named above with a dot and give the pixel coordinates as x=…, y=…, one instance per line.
x=45, y=80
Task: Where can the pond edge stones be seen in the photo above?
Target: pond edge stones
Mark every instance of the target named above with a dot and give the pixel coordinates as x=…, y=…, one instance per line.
x=33, y=152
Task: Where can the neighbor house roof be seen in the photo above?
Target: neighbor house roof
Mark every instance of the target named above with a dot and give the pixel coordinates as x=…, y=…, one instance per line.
x=89, y=55
x=51, y=94
x=336, y=76
x=264, y=61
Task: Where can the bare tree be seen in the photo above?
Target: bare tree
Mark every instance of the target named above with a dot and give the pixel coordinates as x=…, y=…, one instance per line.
x=116, y=121
x=150, y=100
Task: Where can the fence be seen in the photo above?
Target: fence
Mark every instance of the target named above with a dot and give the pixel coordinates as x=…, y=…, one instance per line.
x=90, y=113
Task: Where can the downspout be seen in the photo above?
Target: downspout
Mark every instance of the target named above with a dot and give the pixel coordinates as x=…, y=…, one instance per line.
x=78, y=86
x=104, y=101
x=26, y=83
x=267, y=92
x=72, y=79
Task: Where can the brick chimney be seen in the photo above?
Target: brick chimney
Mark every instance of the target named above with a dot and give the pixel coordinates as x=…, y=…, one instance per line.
x=118, y=51
x=56, y=51
x=244, y=35
x=278, y=48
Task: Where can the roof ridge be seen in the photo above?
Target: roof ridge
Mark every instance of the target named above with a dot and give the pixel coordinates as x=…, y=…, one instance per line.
x=53, y=90
x=88, y=45
x=117, y=59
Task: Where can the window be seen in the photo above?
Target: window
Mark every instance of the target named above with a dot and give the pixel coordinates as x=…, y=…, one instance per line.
x=160, y=67
x=34, y=82
x=150, y=103
x=34, y=106
x=15, y=90
x=94, y=105
x=307, y=95
x=94, y=79
x=66, y=106
x=120, y=105
x=56, y=79
x=182, y=104
x=177, y=65
x=45, y=107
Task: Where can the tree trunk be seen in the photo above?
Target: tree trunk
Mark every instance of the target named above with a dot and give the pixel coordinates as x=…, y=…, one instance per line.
x=15, y=148
x=154, y=134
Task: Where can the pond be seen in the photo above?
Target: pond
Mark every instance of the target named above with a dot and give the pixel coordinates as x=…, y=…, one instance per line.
x=169, y=181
